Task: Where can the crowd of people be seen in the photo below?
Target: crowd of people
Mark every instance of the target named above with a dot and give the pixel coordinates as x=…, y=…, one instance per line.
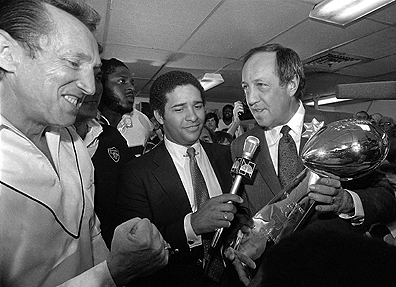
x=95, y=193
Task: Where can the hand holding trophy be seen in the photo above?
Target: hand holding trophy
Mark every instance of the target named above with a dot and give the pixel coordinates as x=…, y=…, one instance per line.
x=343, y=150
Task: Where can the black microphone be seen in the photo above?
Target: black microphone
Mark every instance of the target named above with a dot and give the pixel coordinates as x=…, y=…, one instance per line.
x=242, y=167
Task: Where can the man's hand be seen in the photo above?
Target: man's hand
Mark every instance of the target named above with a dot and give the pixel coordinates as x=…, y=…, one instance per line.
x=241, y=263
x=330, y=192
x=215, y=213
x=137, y=249
x=238, y=109
x=251, y=248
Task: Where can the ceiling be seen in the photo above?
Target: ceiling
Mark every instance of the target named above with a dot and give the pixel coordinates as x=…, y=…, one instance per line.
x=212, y=36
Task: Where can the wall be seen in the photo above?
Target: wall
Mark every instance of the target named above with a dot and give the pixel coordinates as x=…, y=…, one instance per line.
x=386, y=108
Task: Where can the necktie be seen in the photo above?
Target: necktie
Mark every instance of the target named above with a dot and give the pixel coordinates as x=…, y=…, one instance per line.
x=200, y=190
x=287, y=157
x=201, y=193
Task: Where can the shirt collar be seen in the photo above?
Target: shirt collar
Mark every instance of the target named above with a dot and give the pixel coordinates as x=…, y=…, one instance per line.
x=179, y=152
x=4, y=123
x=295, y=124
x=94, y=130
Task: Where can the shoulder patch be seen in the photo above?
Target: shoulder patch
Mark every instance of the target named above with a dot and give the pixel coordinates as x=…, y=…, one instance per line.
x=114, y=153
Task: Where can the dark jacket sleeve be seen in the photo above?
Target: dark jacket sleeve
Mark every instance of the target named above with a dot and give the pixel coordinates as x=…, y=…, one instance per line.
x=376, y=193
x=141, y=195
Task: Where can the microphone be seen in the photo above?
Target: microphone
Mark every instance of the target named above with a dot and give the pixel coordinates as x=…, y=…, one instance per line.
x=242, y=167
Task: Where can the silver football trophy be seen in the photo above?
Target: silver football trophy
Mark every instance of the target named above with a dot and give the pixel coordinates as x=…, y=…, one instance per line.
x=348, y=149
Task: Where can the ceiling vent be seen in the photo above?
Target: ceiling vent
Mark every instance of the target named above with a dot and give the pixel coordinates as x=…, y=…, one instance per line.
x=332, y=61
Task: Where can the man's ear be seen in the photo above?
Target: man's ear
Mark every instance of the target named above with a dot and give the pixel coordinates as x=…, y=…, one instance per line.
x=293, y=86
x=158, y=117
x=7, y=52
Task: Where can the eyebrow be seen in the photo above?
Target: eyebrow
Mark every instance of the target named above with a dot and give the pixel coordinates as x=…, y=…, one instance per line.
x=87, y=58
x=179, y=105
x=185, y=104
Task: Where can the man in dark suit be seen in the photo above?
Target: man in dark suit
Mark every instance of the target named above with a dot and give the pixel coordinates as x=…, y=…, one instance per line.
x=159, y=185
x=273, y=81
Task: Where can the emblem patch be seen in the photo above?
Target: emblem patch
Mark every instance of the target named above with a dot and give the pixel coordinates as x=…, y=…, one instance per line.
x=114, y=154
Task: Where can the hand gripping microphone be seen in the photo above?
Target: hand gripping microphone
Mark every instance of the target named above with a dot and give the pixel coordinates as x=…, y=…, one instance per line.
x=242, y=167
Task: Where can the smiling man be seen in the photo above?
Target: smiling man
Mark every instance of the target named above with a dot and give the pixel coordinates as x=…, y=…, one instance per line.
x=49, y=234
x=159, y=185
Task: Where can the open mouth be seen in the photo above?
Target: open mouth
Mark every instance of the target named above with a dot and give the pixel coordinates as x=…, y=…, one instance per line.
x=72, y=100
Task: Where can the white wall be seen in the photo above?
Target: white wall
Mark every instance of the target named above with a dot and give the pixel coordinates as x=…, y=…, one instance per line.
x=386, y=108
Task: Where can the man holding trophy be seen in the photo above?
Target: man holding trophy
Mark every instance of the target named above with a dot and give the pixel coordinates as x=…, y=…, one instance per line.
x=273, y=81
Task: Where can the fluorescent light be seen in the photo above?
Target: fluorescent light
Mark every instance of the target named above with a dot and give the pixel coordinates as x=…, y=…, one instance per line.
x=325, y=101
x=342, y=12
x=210, y=80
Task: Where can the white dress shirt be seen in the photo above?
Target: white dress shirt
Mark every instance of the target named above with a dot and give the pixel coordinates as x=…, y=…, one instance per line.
x=182, y=163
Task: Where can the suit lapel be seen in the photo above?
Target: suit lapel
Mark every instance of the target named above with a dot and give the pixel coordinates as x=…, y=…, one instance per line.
x=263, y=162
x=167, y=175
x=303, y=141
x=221, y=170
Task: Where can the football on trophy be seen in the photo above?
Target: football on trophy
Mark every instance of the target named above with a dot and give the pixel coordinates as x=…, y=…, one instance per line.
x=349, y=148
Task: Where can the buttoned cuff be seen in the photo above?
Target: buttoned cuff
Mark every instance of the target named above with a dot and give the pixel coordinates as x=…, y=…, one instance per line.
x=193, y=240
x=358, y=217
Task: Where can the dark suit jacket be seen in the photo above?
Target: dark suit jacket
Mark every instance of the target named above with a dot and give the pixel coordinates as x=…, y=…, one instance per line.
x=378, y=201
x=150, y=187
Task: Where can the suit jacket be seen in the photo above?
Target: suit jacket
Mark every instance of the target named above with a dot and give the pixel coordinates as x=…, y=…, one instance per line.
x=150, y=187
x=378, y=201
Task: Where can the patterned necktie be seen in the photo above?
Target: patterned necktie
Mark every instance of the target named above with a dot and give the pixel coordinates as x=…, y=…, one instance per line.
x=216, y=268
x=198, y=182
x=287, y=157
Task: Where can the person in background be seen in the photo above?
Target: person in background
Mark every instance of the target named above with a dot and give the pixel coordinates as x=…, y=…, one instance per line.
x=109, y=151
x=161, y=186
x=223, y=138
x=273, y=81
x=206, y=135
x=211, y=124
x=230, y=122
x=389, y=165
x=211, y=121
x=117, y=103
x=386, y=123
x=389, y=168
x=362, y=115
x=157, y=135
x=49, y=234
x=375, y=118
